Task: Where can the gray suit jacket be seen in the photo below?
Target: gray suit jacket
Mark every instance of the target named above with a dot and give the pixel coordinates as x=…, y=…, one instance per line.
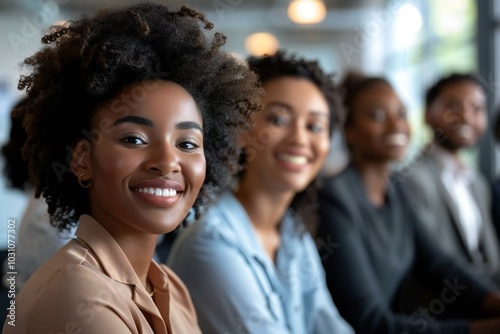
x=439, y=213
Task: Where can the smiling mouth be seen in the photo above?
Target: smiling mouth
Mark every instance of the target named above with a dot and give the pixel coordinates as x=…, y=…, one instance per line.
x=397, y=139
x=465, y=131
x=298, y=160
x=166, y=192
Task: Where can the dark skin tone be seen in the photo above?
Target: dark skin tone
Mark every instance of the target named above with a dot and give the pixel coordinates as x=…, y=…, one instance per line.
x=158, y=145
x=291, y=147
x=375, y=166
x=377, y=135
x=265, y=211
x=459, y=113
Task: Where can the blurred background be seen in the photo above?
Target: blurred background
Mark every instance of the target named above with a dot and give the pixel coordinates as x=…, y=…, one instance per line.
x=412, y=43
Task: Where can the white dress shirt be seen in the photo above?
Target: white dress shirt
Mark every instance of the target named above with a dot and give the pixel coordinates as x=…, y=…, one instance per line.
x=457, y=178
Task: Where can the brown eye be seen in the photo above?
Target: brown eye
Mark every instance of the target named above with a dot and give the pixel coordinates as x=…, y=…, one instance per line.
x=133, y=140
x=188, y=146
x=454, y=106
x=378, y=115
x=477, y=108
x=315, y=128
x=278, y=120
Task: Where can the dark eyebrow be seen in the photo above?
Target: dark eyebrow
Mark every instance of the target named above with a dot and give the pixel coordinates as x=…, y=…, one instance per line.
x=288, y=109
x=188, y=125
x=284, y=105
x=320, y=114
x=144, y=121
x=134, y=119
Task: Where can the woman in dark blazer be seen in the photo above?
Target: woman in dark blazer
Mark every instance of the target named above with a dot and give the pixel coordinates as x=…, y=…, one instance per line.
x=366, y=214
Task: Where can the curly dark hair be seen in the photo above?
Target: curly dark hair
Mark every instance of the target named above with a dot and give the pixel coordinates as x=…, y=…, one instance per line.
x=91, y=60
x=434, y=91
x=284, y=63
x=353, y=84
x=15, y=166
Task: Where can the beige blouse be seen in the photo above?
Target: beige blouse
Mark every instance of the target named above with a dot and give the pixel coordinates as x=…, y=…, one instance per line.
x=89, y=286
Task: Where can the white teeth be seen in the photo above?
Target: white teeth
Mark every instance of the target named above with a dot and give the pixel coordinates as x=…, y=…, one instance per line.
x=398, y=139
x=293, y=159
x=465, y=131
x=168, y=192
x=159, y=192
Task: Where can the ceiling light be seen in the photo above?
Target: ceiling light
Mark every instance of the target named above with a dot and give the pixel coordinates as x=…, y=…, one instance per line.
x=261, y=43
x=409, y=20
x=307, y=11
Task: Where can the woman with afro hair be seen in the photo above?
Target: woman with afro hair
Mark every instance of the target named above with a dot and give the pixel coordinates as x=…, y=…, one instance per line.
x=135, y=119
x=249, y=263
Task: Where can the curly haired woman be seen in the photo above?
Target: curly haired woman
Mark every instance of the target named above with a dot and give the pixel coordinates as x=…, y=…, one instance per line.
x=135, y=119
x=250, y=264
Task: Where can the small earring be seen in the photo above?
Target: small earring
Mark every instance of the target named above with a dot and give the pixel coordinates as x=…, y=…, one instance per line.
x=86, y=185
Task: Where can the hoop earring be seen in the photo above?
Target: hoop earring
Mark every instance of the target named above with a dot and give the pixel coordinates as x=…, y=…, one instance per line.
x=86, y=185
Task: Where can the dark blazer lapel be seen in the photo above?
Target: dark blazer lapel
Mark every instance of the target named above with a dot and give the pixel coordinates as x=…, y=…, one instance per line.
x=488, y=241
x=481, y=199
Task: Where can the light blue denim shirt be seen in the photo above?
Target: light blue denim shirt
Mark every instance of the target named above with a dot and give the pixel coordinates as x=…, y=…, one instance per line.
x=235, y=286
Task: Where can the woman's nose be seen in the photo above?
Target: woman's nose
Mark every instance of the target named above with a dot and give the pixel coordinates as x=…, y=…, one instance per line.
x=396, y=123
x=163, y=159
x=298, y=132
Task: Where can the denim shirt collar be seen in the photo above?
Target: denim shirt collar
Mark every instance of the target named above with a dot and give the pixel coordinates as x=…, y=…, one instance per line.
x=241, y=226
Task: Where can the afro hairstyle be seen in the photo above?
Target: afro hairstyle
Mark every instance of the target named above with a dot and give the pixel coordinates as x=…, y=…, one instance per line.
x=91, y=60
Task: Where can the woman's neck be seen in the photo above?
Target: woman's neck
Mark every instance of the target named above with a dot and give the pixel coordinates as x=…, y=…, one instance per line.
x=140, y=254
x=139, y=248
x=264, y=208
x=375, y=176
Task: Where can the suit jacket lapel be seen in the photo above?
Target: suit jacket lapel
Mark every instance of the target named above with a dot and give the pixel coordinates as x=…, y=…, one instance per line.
x=481, y=201
x=488, y=241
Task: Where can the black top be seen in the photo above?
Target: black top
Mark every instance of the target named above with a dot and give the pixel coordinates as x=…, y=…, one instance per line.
x=368, y=253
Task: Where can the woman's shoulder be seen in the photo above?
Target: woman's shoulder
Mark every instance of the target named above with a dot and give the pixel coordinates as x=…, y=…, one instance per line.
x=340, y=184
x=223, y=231
x=343, y=191
x=65, y=289
x=67, y=276
x=340, y=177
x=220, y=222
x=205, y=238
x=77, y=294
x=70, y=263
x=71, y=260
